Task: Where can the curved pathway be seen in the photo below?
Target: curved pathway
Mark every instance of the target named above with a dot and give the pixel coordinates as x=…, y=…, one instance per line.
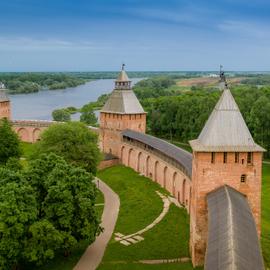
x=94, y=253
x=136, y=237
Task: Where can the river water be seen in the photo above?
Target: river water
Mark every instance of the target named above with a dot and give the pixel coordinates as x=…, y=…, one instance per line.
x=41, y=104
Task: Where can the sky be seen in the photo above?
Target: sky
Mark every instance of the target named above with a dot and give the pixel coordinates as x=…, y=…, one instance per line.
x=100, y=35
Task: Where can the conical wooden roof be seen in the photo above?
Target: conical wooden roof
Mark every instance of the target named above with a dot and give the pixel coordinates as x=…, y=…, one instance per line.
x=123, y=77
x=122, y=100
x=225, y=130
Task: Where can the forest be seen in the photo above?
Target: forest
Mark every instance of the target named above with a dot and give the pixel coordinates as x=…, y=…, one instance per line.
x=18, y=83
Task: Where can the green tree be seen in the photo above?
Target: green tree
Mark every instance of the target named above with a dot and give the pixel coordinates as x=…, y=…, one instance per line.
x=9, y=142
x=88, y=116
x=260, y=121
x=66, y=198
x=42, y=242
x=74, y=141
x=61, y=115
x=18, y=212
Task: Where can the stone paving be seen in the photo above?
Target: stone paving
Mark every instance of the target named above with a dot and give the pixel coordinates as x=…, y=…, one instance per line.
x=137, y=236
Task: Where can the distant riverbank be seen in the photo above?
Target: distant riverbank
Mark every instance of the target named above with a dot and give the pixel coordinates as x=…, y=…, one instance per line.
x=40, y=105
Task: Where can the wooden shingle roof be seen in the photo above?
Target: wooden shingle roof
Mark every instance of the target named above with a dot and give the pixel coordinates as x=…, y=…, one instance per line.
x=225, y=130
x=181, y=156
x=233, y=242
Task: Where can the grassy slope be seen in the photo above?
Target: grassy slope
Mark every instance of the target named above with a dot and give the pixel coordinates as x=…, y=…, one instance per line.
x=167, y=240
x=265, y=240
x=137, y=266
x=140, y=204
x=27, y=149
x=138, y=197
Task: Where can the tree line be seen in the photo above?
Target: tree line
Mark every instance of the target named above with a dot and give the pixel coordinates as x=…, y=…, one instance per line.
x=18, y=83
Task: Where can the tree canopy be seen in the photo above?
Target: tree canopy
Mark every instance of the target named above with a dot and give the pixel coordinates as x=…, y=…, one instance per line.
x=88, y=116
x=61, y=115
x=74, y=141
x=45, y=208
x=9, y=142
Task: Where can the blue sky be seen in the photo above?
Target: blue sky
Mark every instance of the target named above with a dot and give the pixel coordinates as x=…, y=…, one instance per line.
x=89, y=35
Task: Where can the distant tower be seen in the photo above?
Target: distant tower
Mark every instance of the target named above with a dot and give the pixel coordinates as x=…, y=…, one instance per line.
x=121, y=111
x=224, y=154
x=4, y=103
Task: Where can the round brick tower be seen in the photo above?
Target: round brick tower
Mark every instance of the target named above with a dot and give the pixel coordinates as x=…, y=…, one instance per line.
x=4, y=103
x=121, y=111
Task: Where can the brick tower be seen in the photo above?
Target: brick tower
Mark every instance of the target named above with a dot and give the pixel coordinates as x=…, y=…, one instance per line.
x=4, y=103
x=224, y=154
x=121, y=111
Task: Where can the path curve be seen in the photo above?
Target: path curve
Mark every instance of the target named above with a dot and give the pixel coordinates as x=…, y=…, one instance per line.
x=94, y=253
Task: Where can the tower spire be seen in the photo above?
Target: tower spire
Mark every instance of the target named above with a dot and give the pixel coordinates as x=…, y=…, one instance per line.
x=123, y=82
x=223, y=81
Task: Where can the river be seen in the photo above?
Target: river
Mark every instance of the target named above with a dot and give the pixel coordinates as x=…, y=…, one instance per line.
x=40, y=105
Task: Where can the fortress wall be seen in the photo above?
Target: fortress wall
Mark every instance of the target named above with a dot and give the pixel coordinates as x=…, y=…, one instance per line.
x=156, y=167
x=159, y=170
x=30, y=130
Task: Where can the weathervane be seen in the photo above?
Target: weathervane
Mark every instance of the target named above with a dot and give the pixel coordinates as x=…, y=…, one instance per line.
x=222, y=76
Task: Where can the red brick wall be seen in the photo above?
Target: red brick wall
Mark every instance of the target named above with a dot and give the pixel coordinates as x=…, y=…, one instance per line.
x=111, y=125
x=108, y=163
x=5, y=110
x=159, y=170
x=206, y=177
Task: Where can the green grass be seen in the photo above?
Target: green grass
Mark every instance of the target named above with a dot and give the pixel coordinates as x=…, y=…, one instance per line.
x=167, y=240
x=100, y=197
x=140, y=204
x=27, y=149
x=99, y=200
x=265, y=239
x=138, y=266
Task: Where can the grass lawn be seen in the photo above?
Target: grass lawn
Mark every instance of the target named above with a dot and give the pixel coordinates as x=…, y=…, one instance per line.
x=138, y=266
x=265, y=239
x=139, y=206
x=27, y=149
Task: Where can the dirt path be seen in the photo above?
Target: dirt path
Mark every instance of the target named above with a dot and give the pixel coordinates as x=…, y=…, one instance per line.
x=94, y=253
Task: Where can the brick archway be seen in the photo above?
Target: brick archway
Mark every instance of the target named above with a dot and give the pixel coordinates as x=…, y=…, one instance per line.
x=36, y=134
x=184, y=192
x=122, y=154
x=139, y=163
x=130, y=161
x=156, y=171
x=174, y=183
x=147, y=166
x=165, y=176
x=23, y=134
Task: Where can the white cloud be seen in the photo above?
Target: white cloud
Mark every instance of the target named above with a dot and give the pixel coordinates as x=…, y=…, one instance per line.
x=31, y=44
x=245, y=29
